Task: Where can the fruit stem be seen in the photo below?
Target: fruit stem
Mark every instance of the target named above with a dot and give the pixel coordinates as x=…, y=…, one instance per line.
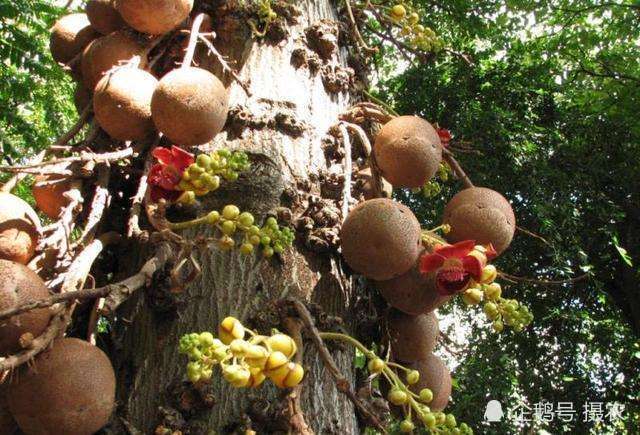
x=193, y=41
x=378, y=101
x=187, y=224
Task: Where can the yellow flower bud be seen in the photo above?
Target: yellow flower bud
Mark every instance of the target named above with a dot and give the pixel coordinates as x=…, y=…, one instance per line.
x=493, y=291
x=256, y=356
x=236, y=375
x=187, y=198
x=238, y=347
x=376, y=365
x=472, y=296
x=256, y=379
x=426, y=395
x=282, y=343
x=398, y=12
x=274, y=362
x=489, y=274
x=397, y=396
x=287, y=376
x=413, y=377
x=230, y=329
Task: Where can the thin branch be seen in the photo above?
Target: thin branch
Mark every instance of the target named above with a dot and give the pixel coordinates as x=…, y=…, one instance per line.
x=457, y=169
x=112, y=156
x=193, y=41
x=101, y=201
x=368, y=151
x=534, y=235
x=341, y=382
x=133, y=226
x=13, y=181
x=225, y=66
x=514, y=279
x=356, y=30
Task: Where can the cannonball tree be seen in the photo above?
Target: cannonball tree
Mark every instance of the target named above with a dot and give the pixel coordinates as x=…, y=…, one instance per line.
x=206, y=227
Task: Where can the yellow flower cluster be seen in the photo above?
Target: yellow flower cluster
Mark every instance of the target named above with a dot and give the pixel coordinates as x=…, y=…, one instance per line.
x=246, y=359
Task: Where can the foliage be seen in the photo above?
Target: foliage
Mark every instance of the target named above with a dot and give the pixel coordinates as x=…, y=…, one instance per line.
x=35, y=92
x=548, y=108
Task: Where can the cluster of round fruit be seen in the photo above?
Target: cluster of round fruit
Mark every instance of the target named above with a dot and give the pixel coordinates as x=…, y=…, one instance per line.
x=499, y=310
x=433, y=187
x=417, y=36
x=243, y=363
x=271, y=237
x=203, y=176
x=106, y=48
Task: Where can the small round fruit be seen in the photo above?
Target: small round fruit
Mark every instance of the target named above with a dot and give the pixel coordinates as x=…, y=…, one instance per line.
x=435, y=376
x=48, y=192
x=381, y=239
x=482, y=215
x=19, y=227
x=412, y=292
x=108, y=51
x=154, y=16
x=20, y=285
x=412, y=338
x=189, y=106
x=68, y=389
x=103, y=16
x=69, y=36
x=122, y=103
x=408, y=151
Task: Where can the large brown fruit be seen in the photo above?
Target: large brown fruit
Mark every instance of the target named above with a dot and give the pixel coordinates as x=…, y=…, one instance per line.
x=412, y=292
x=381, y=239
x=435, y=376
x=413, y=338
x=189, y=106
x=408, y=151
x=108, y=51
x=69, y=36
x=69, y=389
x=482, y=215
x=154, y=16
x=49, y=190
x=103, y=16
x=122, y=103
x=19, y=226
x=20, y=285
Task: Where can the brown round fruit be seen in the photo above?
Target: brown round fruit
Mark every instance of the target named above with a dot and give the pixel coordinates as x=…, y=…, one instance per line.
x=69, y=36
x=69, y=389
x=122, y=103
x=435, y=376
x=412, y=292
x=103, y=16
x=380, y=239
x=154, y=16
x=189, y=106
x=413, y=338
x=482, y=215
x=19, y=227
x=20, y=285
x=81, y=97
x=108, y=51
x=48, y=191
x=408, y=151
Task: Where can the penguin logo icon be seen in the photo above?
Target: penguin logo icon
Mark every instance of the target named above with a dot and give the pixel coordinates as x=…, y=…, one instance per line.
x=493, y=412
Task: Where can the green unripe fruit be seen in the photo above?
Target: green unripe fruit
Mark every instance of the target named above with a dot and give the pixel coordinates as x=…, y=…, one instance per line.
x=278, y=248
x=228, y=228
x=397, y=396
x=254, y=230
x=254, y=240
x=204, y=161
x=440, y=418
x=429, y=420
x=266, y=241
x=213, y=217
x=206, y=339
x=230, y=212
x=268, y=252
x=230, y=176
x=195, y=171
x=407, y=426
x=413, y=377
x=426, y=395
x=246, y=219
x=450, y=421
x=498, y=326
x=272, y=223
x=491, y=310
x=246, y=248
x=376, y=365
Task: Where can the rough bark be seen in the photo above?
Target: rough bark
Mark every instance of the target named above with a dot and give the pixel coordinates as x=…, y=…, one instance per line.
x=282, y=126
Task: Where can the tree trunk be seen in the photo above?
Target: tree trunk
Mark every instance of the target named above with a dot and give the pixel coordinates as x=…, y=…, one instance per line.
x=282, y=127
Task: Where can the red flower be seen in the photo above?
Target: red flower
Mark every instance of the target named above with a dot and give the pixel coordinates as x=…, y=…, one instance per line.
x=453, y=265
x=165, y=175
x=445, y=136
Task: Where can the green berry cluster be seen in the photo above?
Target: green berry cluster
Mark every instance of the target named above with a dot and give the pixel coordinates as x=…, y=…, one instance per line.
x=272, y=238
x=415, y=34
x=499, y=310
x=433, y=187
x=245, y=362
x=205, y=174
